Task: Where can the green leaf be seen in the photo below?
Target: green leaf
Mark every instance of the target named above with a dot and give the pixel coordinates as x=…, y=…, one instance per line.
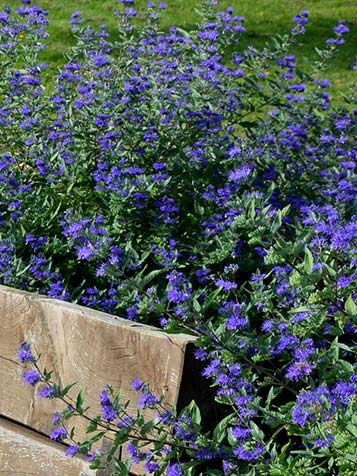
x=47, y=374
x=353, y=430
x=299, y=309
x=273, y=392
x=331, y=271
x=196, y=306
x=351, y=306
x=220, y=432
x=257, y=433
x=283, y=452
x=122, y=436
x=345, y=347
x=54, y=214
x=80, y=401
x=142, y=283
x=231, y=440
x=117, y=399
x=279, y=219
x=95, y=465
x=147, y=428
x=211, y=298
x=67, y=389
x=346, y=366
x=93, y=425
x=193, y=411
x=121, y=468
x=189, y=467
x=95, y=438
x=308, y=261
x=251, y=210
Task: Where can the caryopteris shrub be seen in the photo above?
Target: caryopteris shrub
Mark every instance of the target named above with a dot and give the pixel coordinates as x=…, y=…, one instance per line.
x=176, y=179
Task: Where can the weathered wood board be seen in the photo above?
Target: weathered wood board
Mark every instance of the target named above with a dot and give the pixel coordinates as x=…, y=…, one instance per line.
x=24, y=452
x=89, y=347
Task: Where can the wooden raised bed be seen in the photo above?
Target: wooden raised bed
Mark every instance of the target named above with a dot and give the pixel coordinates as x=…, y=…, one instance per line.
x=88, y=347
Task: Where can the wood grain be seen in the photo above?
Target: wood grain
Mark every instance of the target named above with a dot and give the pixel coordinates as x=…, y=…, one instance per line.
x=24, y=452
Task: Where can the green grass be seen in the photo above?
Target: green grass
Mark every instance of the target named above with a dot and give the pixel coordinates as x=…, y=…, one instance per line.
x=264, y=19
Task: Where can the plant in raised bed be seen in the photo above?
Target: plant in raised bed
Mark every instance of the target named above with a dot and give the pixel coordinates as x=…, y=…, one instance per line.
x=175, y=179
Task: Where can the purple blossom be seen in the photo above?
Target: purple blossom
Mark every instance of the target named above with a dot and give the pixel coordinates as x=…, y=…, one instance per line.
x=148, y=400
x=245, y=454
x=165, y=417
x=226, y=285
x=100, y=61
x=58, y=434
x=300, y=370
x=341, y=28
x=324, y=443
x=134, y=452
x=105, y=398
x=301, y=19
x=108, y=413
x=57, y=417
x=200, y=354
x=93, y=455
x=241, y=433
x=202, y=275
x=125, y=422
x=345, y=281
x=174, y=470
x=240, y=174
x=72, y=450
x=47, y=392
x=151, y=466
x=268, y=326
x=25, y=353
x=31, y=377
x=344, y=392
x=310, y=405
x=212, y=368
x=236, y=322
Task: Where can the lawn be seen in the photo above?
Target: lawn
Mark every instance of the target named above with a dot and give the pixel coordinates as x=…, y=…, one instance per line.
x=264, y=19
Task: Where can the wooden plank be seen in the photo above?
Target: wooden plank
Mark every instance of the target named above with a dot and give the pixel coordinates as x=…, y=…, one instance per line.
x=84, y=346
x=193, y=387
x=24, y=452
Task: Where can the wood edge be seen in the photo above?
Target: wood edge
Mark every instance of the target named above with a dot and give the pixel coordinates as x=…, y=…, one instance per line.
x=21, y=431
x=93, y=314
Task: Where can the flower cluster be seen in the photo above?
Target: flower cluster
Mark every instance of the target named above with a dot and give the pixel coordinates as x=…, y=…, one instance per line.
x=171, y=178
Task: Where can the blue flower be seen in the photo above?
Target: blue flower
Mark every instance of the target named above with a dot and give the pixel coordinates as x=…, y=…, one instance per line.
x=226, y=285
x=25, y=353
x=341, y=28
x=47, y=392
x=57, y=417
x=59, y=434
x=31, y=377
x=137, y=384
x=72, y=450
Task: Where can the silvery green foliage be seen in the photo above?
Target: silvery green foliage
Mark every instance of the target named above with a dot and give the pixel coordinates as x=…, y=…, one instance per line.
x=176, y=179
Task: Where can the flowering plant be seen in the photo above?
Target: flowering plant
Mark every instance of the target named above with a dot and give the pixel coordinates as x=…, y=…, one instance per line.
x=176, y=179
